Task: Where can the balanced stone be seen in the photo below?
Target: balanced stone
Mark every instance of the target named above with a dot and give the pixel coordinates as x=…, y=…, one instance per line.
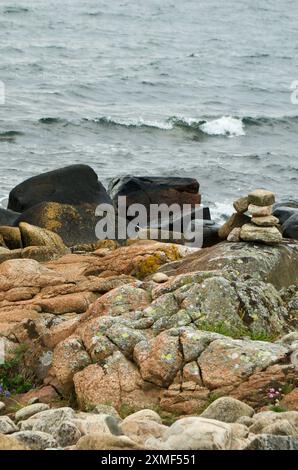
x=261, y=197
x=234, y=236
x=259, y=211
x=250, y=233
x=241, y=205
x=267, y=221
x=236, y=220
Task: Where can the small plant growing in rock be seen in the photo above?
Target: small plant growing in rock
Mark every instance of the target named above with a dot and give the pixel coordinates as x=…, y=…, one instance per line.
x=274, y=396
x=11, y=380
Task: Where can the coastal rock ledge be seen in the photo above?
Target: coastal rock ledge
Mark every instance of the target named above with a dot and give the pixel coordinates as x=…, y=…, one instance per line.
x=97, y=326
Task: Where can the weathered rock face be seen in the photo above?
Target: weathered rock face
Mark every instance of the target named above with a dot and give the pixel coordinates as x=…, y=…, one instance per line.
x=11, y=237
x=155, y=190
x=74, y=224
x=277, y=265
x=98, y=325
x=36, y=236
x=74, y=185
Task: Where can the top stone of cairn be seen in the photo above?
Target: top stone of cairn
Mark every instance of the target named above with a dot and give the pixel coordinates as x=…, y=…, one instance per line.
x=261, y=197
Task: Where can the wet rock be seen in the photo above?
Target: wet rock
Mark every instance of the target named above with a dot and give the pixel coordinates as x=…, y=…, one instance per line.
x=228, y=410
x=284, y=212
x=74, y=185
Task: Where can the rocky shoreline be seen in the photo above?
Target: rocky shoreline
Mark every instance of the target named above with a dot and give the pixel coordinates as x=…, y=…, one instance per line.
x=144, y=344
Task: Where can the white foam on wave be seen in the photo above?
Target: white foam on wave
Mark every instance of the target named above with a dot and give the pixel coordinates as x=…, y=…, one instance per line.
x=139, y=122
x=220, y=211
x=226, y=125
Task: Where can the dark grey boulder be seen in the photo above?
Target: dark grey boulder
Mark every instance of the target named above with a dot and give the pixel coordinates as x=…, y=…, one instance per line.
x=290, y=227
x=73, y=185
x=8, y=217
x=155, y=190
x=284, y=212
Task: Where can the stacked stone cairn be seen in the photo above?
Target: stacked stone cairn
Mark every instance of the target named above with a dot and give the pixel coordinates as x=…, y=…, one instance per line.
x=253, y=220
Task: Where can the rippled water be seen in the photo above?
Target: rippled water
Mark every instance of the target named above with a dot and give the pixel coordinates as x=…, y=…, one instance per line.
x=187, y=87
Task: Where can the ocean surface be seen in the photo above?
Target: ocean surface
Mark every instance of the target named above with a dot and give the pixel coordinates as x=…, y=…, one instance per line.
x=196, y=88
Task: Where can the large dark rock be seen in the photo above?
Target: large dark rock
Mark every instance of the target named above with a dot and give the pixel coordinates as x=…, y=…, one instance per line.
x=284, y=212
x=155, y=190
x=290, y=227
x=8, y=217
x=74, y=185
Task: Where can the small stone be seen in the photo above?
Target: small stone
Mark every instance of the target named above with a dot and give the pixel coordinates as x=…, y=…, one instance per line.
x=267, y=221
x=228, y=410
x=2, y=406
x=261, y=197
x=102, y=441
x=241, y=205
x=160, y=278
x=252, y=233
x=234, y=236
x=258, y=211
x=7, y=426
x=10, y=443
x=33, y=401
x=30, y=410
x=36, y=440
x=236, y=220
x=106, y=410
x=245, y=420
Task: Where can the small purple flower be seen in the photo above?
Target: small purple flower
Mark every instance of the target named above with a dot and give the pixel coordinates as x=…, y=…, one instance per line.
x=272, y=390
x=7, y=394
x=271, y=395
x=1, y=390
